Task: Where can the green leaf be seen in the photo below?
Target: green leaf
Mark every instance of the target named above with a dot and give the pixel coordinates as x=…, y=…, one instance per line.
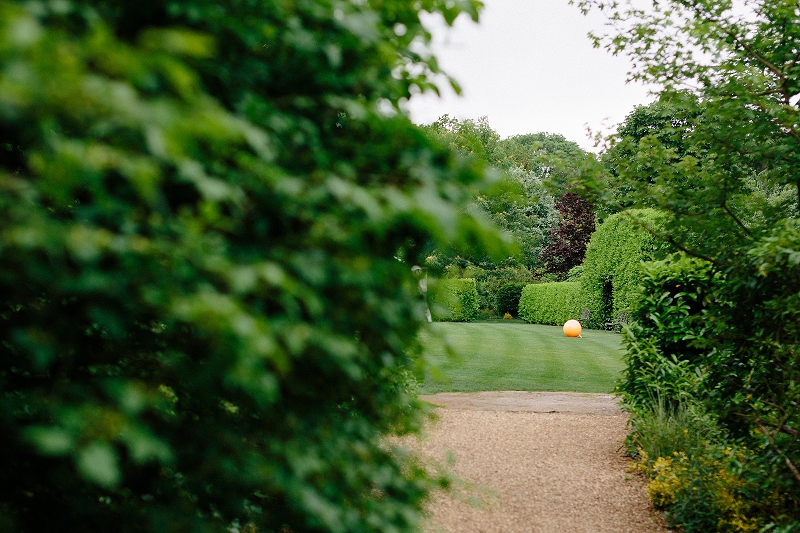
x=50, y=440
x=98, y=463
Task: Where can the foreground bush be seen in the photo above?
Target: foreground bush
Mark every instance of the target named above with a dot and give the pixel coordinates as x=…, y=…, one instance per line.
x=724, y=341
x=204, y=324
x=704, y=483
x=551, y=303
x=662, y=340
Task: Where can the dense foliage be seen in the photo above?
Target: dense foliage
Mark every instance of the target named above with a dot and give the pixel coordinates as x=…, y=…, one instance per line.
x=551, y=303
x=455, y=300
x=709, y=437
x=629, y=180
x=508, y=298
x=612, y=269
x=570, y=236
x=530, y=167
x=208, y=213
x=731, y=188
x=666, y=324
x=489, y=277
x=519, y=203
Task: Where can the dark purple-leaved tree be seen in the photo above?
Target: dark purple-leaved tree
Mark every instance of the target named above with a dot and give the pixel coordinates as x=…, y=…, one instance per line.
x=570, y=236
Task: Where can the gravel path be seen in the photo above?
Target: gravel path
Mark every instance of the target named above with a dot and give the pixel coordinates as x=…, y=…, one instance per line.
x=538, y=463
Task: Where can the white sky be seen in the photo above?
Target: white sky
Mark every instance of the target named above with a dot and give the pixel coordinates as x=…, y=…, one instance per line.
x=529, y=67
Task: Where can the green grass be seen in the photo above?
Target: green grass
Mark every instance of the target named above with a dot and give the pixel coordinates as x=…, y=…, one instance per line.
x=508, y=355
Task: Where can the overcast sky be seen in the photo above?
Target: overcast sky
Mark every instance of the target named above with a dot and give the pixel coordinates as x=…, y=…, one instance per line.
x=529, y=67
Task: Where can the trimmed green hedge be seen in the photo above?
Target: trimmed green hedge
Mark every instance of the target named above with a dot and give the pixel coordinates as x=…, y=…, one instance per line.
x=455, y=300
x=551, y=303
x=612, y=269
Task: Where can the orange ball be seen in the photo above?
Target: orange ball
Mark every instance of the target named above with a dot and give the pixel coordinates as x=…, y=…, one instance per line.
x=572, y=328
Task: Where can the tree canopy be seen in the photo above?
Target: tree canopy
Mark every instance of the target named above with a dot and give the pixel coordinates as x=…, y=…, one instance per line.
x=730, y=190
x=734, y=81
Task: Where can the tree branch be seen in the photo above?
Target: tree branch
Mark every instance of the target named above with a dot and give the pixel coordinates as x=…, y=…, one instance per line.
x=736, y=219
x=789, y=462
x=671, y=241
x=743, y=44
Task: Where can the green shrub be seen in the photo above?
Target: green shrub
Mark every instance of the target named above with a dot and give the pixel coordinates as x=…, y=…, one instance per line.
x=507, y=299
x=704, y=483
x=575, y=273
x=551, y=303
x=751, y=352
x=491, y=280
x=455, y=300
x=724, y=338
x=490, y=277
x=666, y=323
x=207, y=311
x=612, y=268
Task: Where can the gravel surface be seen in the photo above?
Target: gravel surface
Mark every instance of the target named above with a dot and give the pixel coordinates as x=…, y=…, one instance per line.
x=529, y=469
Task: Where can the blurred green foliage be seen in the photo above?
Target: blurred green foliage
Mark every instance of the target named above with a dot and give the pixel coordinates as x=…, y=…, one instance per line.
x=208, y=214
x=454, y=300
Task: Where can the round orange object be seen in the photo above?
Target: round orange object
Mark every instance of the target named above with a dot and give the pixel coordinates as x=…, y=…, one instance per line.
x=572, y=328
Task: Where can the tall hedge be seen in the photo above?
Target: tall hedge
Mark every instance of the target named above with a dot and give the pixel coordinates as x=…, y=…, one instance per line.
x=204, y=324
x=612, y=269
x=551, y=303
x=455, y=300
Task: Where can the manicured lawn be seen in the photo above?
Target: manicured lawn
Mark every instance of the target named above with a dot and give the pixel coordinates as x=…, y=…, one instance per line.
x=518, y=356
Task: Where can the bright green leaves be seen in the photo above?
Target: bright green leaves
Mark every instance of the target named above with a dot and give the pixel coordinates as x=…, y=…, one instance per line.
x=612, y=269
x=50, y=440
x=208, y=213
x=97, y=462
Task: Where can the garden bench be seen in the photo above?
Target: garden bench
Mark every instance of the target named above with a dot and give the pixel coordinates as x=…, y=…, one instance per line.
x=622, y=318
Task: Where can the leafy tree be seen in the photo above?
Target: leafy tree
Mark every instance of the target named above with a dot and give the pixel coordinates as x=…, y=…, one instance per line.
x=468, y=137
x=732, y=198
x=525, y=209
x=570, y=236
x=519, y=202
x=737, y=77
x=204, y=324
x=549, y=156
x=668, y=122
